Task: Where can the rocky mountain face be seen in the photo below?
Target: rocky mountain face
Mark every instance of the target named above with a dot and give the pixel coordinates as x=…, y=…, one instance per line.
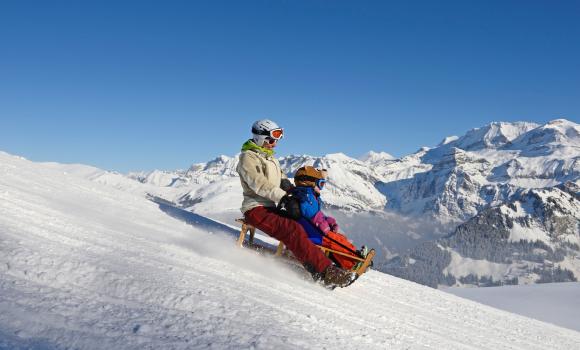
x=513, y=189
x=535, y=237
x=503, y=198
x=456, y=180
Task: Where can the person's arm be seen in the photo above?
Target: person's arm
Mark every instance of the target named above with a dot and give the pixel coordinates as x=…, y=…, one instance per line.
x=250, y=171
x=332, y=223
x=285, y=183
x=320, y=221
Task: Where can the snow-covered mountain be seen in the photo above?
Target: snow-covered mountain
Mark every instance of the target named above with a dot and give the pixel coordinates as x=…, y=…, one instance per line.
x=198, y=174
x=376, y=157
x=534, y=238
x=86, y=262
x=514, y=190
x=396, y=204
x=351, y=182
x=456, y=180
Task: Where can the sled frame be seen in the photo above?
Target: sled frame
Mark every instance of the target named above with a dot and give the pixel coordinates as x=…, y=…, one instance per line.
x=247, y=228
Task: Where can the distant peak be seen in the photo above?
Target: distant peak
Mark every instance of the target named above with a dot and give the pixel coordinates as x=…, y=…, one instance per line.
x=448, y=139
x=562, y=122
x=373, y=156
x=564, y=127
x=221, y=159
x=493, y=135
x=337, y=156
x=558, y=131
x=558, y=121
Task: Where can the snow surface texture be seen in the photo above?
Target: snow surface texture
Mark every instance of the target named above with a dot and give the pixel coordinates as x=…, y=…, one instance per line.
x=557, y=303
x=86, y=266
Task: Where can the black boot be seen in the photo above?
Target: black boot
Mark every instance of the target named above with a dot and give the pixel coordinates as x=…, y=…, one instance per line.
x=334, y=277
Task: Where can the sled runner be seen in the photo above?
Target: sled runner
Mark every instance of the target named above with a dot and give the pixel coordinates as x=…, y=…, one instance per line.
x=360, y=264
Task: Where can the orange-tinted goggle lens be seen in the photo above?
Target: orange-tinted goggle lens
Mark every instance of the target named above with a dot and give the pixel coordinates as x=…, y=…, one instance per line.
x=277, y=133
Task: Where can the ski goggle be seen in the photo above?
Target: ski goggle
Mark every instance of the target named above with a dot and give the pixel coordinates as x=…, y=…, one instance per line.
x=276, y=134
x=320, y=183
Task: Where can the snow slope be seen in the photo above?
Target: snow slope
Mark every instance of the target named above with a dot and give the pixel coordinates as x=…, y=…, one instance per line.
x=557, y=303
x=84, y=265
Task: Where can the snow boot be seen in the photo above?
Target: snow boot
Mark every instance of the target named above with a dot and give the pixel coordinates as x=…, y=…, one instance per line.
x=334, y=277
x=362, y=252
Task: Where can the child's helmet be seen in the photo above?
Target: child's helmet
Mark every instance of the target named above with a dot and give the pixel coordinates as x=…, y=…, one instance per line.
x=265, y=128
x=309, y=176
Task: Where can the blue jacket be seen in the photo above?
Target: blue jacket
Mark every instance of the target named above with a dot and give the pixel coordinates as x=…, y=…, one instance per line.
x=310, y=202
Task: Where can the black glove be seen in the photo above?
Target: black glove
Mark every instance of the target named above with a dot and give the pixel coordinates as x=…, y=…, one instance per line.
x=289, y=207
x=286, y=185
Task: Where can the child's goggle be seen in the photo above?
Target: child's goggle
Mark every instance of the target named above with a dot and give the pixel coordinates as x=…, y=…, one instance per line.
x=276, y=134
x=320, y=183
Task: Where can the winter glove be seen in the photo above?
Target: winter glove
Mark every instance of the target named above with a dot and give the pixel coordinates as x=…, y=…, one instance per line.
x=286, y=185
x=319, y=221
x=332, y=224
x=289, y=207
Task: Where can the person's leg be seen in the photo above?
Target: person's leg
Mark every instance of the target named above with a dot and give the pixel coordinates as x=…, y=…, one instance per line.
x=338, y=242
x=291, y=233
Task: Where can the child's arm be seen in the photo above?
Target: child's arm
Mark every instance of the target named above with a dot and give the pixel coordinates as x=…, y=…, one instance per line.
x=319, y=220
x=332, y=224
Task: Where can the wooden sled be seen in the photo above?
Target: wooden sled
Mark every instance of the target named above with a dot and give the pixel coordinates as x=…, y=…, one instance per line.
x=281, y=251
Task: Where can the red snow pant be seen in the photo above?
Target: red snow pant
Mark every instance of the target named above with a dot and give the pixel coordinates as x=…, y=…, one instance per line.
x=289, y=232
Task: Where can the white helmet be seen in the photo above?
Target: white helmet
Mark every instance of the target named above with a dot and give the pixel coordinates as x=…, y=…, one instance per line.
x=266, y=129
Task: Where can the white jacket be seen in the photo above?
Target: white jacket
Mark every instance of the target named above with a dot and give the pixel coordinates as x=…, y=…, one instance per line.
x=261, y=176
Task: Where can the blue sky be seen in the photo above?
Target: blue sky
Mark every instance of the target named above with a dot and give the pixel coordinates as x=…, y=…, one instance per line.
x=138, y=85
